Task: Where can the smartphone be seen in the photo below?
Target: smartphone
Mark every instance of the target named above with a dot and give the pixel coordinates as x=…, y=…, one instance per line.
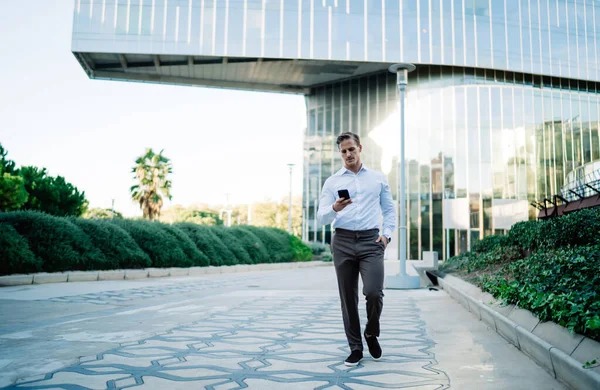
x=344, y=194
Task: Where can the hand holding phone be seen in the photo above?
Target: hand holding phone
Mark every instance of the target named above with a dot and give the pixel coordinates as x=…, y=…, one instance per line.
x=344, y=194
x=343, y=200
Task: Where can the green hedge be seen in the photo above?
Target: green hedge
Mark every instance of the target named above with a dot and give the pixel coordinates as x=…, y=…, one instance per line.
x=272, y=243
x=15, y=255
x=252, y=244
x=189, y=248
x=118, y=246
x=32, y=241
x=233, y=244
x=61, y=245
x=283, y=237
x=302, y=252
x=163, y=248
x=207, y=242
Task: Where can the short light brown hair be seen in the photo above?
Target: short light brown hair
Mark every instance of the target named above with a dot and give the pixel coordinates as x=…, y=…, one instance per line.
x=348, y=135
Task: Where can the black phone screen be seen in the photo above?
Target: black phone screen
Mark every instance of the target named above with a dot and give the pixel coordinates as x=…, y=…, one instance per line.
x=344, y=194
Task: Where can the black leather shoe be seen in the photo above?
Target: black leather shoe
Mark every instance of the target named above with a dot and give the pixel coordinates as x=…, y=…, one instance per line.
x=353, y=359
x=374, y=347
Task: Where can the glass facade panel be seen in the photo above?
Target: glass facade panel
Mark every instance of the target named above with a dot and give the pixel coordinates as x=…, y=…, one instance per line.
x=235, y=29
x=447, y=29
x=525, y=23
x=513, y=34
x=458, y=22
x=499, y=44
x=391, y=29
x=272, y=35
x=410, y=29
x=319, y=29
x=436, y=32
x=595, y=126
x=557, y=150
x=252, y=27
x=536, y=36
x=483, y=33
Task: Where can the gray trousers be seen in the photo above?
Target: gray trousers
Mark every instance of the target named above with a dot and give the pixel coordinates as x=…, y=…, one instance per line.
x=354, y=253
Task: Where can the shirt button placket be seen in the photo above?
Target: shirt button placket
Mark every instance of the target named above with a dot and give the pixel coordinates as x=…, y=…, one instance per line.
x=357, y=187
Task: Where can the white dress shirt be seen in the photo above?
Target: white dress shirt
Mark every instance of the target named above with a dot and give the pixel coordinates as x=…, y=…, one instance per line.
x=371, y=198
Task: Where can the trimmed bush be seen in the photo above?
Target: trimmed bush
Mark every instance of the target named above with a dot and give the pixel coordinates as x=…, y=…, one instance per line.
x=208, y=242
x=286, y=254
x=162, y=248
x=196, y=257
x=61, y=245
x=119, y=248
x=234, y=244
x=252, y=244
x=15, y=255
x=302, y=252
x=271, y=243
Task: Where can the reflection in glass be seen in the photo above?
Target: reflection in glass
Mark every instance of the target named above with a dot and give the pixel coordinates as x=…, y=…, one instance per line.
x=492, y=145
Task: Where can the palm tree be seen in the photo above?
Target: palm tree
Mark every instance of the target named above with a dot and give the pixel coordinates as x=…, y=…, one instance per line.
x=151, y=171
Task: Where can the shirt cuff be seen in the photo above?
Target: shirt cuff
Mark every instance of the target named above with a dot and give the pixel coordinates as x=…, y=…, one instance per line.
x=387, y=232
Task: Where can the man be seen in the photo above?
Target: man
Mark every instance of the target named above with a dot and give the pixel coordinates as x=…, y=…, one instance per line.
x=357, y=245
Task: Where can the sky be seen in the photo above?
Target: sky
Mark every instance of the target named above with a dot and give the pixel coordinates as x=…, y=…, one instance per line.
x=90, y=131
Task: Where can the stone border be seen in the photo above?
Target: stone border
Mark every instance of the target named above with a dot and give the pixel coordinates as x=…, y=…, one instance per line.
x=553, y=347
x=128, y=274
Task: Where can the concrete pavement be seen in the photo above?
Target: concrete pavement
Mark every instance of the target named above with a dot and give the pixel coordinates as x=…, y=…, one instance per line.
x=258, y=330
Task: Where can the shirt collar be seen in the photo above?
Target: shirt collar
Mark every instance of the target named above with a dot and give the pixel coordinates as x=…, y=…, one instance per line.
x=344, y=170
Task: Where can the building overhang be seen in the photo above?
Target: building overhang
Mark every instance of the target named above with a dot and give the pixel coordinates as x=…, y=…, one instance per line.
x=295, y=76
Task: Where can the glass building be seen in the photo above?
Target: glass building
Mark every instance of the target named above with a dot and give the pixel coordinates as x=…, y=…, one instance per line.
x=504, y=103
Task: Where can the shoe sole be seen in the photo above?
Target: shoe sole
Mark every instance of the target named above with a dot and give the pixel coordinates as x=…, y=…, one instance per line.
x=351, y=364
x=377, y=359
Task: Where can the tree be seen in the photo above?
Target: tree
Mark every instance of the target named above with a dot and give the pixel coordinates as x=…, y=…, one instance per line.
x=52, y=195
x=98, y=213
x=6, y=165
x=151, y=172
x=272, y=214
x=13, y=194
x=192, y=214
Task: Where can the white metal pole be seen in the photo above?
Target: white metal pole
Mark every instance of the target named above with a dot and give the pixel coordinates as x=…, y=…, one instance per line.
x=290, y=202
x=402, y=280
x=402, y=185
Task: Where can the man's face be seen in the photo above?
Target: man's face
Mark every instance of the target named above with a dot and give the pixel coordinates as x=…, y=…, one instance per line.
x=350, y=154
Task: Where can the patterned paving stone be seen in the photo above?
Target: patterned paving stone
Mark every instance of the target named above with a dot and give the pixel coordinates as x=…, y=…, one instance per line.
x=147, y=292
x=273, y=342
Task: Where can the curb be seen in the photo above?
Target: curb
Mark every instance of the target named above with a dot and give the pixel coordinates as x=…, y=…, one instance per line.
x=54, y=277
x=129, y=274
x=561, y=365
x=82, y=276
